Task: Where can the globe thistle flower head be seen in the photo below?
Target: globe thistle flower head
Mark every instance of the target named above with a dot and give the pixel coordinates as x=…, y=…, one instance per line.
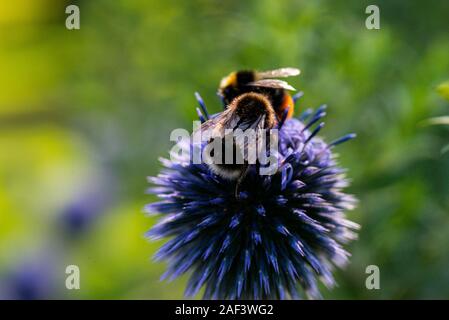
x=276, y=240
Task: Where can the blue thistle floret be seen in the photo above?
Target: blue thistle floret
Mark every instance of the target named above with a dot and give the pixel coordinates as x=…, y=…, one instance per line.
x=283, y=233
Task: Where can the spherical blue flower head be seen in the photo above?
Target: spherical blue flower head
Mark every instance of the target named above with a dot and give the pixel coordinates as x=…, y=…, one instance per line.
x=283, y=233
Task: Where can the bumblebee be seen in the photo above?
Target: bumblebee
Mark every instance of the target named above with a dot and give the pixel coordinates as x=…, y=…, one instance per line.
x=247, y=111
x=263, y=82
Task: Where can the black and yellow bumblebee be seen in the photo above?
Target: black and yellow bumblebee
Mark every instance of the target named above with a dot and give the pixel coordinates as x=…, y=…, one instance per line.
x=248, y=111
x=263, y=82
x=252, y=100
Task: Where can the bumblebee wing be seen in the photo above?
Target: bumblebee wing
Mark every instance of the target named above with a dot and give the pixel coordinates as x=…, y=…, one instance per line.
x=278, y=73
x=200, y=133
x=209, y=124
x=218, y=124
x=272, y=83
x=249, y=139
x=233, y=121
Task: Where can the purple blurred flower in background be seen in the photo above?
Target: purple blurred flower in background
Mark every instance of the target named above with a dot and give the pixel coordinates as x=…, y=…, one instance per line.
x=31, y=279
x=86, y=207
x=78, y=216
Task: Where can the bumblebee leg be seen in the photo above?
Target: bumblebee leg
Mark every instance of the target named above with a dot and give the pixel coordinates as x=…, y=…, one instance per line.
x=240, y=180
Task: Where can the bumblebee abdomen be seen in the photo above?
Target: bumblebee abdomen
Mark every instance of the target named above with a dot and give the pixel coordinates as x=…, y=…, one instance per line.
x=226, y=159
x=287, y=104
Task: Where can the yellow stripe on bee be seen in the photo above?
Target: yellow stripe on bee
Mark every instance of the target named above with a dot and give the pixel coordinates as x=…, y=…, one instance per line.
x=230, y=80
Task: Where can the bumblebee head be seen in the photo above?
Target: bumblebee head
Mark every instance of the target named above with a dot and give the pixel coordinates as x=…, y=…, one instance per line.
x=231, y=85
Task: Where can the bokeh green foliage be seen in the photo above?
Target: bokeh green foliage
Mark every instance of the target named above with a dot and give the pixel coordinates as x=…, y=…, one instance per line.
x=98, y=104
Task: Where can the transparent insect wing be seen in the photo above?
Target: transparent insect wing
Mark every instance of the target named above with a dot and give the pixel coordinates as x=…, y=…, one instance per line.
x=272, y=83
x=250, y=135
x=278, y=73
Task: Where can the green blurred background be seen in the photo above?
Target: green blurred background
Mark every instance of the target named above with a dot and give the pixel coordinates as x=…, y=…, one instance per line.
x=85, y=114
